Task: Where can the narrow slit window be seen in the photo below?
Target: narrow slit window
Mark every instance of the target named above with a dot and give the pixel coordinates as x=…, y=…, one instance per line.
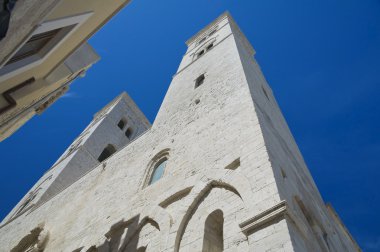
x=265, y=93
x=199, y=81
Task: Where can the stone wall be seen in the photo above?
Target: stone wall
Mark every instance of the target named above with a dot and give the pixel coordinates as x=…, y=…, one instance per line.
x=221, y=164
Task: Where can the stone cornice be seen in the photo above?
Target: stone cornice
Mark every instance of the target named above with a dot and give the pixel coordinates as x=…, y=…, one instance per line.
x=263, y=218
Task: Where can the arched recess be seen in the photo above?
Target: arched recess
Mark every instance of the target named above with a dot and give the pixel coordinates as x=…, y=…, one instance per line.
x=213, y=232
x=216, y=196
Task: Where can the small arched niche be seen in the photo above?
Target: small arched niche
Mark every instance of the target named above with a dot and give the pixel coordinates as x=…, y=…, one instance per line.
x=213, y=232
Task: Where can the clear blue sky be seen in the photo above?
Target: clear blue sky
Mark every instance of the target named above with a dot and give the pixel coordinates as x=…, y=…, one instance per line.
x=320, y=57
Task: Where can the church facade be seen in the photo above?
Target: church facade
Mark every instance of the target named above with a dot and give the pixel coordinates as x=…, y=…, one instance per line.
x=218, y=170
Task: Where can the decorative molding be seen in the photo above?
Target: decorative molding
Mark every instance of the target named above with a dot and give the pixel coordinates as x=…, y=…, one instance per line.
x=253, y=224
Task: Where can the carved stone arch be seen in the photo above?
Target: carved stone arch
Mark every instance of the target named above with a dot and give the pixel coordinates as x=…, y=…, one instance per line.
x=235, y=180
x=133, y=238
x=163, y=219
x=200, y=220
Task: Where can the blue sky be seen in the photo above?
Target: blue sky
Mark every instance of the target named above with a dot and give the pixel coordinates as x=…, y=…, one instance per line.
x=321, y=59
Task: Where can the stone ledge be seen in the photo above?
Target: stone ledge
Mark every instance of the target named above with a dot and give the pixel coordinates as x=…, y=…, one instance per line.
x=254, y=223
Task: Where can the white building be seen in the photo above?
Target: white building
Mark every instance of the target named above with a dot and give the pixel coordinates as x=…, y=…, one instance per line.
x=217, y=171
x=44, y=50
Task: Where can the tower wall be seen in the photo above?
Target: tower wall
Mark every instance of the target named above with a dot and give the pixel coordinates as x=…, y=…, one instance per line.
x=228, y=162
x=313, y=224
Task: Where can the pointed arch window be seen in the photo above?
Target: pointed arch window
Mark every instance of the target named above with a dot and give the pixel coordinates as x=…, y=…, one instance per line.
x=158, y=171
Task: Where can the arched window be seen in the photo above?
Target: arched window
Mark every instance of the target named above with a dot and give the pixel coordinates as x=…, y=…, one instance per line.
x=128, y=133
x=108, y=151
x=213, y=232
x=158, y=171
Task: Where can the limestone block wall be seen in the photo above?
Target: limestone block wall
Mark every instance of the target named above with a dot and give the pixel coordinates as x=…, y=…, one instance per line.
x=220, y=190
x=296, y=186
x=82, y=155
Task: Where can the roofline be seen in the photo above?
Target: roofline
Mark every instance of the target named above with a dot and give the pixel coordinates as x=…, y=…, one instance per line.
x=223, y=16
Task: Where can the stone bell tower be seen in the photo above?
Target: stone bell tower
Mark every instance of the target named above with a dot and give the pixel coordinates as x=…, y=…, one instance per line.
x=218, y=171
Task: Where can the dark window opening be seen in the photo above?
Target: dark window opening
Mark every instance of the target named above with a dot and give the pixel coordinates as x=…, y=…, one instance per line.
x=201, y=53
x=199, y=81
x=128, y=133
x=106, y=153
x=209, y=46
x=121, y=124
x=265, y=93
x=34, y=45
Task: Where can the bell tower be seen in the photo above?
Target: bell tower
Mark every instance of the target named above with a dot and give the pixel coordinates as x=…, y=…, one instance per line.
x=218, y=171
x=221, y=104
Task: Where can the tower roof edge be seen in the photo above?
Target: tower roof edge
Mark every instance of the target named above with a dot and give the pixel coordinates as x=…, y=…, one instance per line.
x=223, y=16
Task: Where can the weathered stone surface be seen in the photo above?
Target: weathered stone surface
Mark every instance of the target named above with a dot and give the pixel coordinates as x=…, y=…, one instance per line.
x=233, y=171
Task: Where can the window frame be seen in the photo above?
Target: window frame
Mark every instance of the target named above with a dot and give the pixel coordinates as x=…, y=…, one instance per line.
x=68, y=26
x=162, y=156
x=155, y=168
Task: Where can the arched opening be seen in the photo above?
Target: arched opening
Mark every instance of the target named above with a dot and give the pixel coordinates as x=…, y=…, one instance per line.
x=213, y=232
x=128, y=133
x=107, y=152
x=158, y=171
